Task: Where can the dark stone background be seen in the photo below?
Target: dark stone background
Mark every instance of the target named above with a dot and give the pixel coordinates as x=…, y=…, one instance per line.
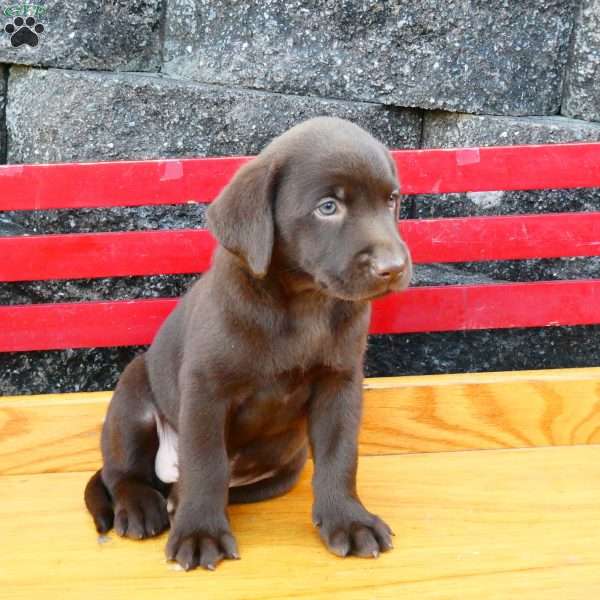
x=475, y=56
x=114, y=80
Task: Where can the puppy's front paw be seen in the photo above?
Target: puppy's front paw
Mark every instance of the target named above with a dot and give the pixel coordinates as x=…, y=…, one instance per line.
x=201, y=542
x=350, y=529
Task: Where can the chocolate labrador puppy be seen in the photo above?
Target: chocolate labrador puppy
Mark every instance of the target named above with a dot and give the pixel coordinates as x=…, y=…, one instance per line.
x=263, y=356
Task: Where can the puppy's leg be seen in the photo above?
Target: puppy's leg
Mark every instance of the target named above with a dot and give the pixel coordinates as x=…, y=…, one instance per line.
x=129, y=446
x=200, y=532
x=282, y=482
x=345, y=525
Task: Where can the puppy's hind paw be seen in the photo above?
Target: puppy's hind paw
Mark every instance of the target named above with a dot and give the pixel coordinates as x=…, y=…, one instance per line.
x=140, y=512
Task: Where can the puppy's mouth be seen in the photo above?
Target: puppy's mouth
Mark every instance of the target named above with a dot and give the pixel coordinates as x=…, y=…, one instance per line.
x=355, y=292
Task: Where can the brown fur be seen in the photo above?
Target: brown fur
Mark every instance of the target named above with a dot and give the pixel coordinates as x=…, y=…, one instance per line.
x=263, y=356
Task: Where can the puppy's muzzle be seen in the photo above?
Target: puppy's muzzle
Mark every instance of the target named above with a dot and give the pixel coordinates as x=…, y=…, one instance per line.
x=391, y=269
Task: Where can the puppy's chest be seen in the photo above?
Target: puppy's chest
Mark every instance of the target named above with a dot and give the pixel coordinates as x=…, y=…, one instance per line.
x=293, y=363
x=274, y=402
x=306, y=342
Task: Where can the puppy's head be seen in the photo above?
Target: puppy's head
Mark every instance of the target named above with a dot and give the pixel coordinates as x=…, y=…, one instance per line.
x=320, y=203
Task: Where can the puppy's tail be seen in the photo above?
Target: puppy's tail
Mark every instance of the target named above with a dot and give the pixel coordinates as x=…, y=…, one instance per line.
x=99, y=503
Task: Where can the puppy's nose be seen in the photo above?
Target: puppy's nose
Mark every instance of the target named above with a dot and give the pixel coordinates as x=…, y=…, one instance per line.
x=389, y=268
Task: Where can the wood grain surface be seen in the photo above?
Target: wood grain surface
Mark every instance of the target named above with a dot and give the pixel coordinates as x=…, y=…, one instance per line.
x=403, y=414
x=490, y=525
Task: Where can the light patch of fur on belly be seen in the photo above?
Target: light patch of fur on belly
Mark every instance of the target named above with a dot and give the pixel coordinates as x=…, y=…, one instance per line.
x=166, y=463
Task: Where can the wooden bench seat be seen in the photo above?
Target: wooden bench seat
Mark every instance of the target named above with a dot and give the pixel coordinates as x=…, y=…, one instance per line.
x=436, y=413
x=519, y=521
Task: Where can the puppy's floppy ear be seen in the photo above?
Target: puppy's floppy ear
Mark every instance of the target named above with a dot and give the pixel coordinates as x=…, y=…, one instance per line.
x=241, y=218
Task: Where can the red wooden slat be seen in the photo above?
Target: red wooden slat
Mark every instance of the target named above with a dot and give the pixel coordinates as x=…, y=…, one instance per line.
x=98, y=324
x=134, y=183
x=188, y=251
x=81, y=324
x=123, y=183
x=502, y=306
x=503, y=238
x=90, y=255
x=500, y=168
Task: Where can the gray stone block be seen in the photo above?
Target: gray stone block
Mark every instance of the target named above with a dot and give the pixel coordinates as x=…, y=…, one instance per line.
x=486, y=350
x=494, y=57
x=95, y=34
x=582, y=84
x=3, y=71
x=446, y=130
x=7, y=227
x=55, y=116
x=86, y=220
x=46, y=372
x=106, y=288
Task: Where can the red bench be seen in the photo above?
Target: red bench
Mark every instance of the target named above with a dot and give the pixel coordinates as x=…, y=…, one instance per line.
x=446, y=308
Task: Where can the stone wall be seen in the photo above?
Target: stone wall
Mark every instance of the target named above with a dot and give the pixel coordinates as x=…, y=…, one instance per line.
x=117, y=79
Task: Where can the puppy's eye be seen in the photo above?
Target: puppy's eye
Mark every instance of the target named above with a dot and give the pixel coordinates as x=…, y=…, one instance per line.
x=392, y=201
x=327, y=208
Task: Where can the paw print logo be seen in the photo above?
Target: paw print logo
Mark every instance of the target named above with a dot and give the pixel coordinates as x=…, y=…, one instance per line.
x=24, y=31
